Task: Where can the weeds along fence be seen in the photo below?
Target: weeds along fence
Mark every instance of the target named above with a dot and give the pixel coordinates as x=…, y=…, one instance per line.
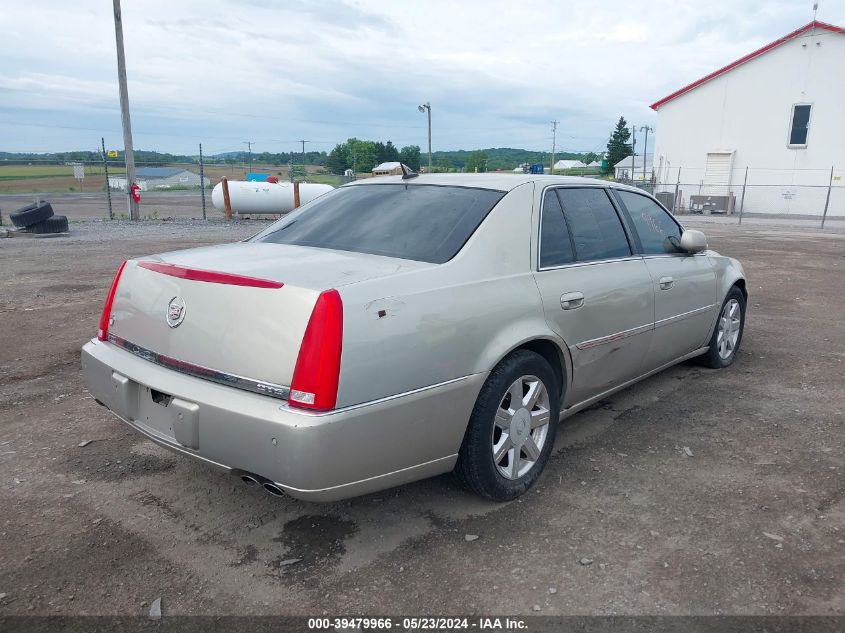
x=810, y=194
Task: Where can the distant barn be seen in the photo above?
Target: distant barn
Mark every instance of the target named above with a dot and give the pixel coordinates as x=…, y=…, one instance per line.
x=149, y=178
x=392, y=168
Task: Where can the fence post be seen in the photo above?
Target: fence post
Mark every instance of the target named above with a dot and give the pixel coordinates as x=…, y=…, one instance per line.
x=106, y=172
x=675, y=203
x=742, y=199
x=202, y=183
x=827, y=201
x=227, y=205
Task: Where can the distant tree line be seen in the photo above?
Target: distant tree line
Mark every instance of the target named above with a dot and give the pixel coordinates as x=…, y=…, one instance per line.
x=361, y=156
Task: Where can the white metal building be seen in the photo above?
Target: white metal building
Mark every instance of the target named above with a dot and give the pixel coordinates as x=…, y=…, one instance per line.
x=390, y=168
x=149, y=178
x=778, y=111
x=641, y=170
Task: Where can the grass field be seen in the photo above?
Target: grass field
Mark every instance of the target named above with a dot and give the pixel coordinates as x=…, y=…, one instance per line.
x=60, y=178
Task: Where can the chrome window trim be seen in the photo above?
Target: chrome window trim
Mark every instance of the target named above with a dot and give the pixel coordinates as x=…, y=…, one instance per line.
x=606, y=189
x=618, y=336
x=629, y=258
x=261, y=387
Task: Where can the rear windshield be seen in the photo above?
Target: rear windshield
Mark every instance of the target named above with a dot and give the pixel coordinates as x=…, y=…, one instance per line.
x=427, y=223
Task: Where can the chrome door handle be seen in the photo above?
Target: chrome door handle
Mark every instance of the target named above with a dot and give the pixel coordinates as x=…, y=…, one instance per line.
x=571, y=300
x=666, y=283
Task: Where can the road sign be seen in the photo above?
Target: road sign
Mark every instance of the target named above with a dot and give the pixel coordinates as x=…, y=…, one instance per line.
x=112, y=153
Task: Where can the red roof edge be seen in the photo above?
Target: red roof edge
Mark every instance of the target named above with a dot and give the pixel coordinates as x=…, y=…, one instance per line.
x=814, y=24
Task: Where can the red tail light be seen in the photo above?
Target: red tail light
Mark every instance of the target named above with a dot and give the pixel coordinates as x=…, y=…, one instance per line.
x=103, y=332
x=317, y=371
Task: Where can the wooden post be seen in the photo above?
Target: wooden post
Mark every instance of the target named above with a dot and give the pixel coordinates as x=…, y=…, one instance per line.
x=227, y=205
x=295, y=194
x=676, y=204
x=742, y=201
x=827, y=201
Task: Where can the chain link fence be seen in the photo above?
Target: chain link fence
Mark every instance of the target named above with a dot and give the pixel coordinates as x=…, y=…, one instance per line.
x=787, y=194
x=172, y=190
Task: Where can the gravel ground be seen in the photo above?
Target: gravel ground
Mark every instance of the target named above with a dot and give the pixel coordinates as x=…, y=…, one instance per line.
x=624, y=520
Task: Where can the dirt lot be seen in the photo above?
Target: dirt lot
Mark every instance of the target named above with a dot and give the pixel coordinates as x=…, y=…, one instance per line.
x=752, y=523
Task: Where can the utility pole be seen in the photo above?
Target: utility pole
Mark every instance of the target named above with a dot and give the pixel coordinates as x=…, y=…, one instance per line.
x=202, y=183
x=303, y=156
x=426, y=108
x=249, y=150
x=134, y=211
x=633, y=149
x=647, y=129
x=554, y=140
x=106, y=173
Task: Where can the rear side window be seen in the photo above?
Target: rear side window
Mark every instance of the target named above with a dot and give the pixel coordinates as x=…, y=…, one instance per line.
x=555, y=243
x=427, y=223
x=658, y=232
x=595, y=227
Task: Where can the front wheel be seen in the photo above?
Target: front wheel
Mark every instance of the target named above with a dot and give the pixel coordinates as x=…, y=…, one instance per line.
x=727, y=335
x=512, y=428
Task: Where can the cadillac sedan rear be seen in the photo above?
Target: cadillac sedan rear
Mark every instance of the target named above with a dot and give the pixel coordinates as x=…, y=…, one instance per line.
x=285, y=359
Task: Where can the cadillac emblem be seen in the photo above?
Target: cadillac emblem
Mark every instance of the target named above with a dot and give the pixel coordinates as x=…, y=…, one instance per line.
x=175, y=311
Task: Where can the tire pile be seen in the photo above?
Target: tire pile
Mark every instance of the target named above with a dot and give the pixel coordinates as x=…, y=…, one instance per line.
x=38, y=218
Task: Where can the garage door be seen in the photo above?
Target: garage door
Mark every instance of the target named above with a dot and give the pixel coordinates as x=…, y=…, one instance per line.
x=717, y=173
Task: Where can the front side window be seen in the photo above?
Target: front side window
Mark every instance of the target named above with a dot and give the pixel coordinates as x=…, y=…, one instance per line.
x=595, y=227
x=658, y=232
x=426, y=223
x=800, y=125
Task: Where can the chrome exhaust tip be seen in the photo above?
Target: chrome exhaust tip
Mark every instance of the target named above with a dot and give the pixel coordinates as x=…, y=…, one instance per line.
x=250, y=480
x=273, y=489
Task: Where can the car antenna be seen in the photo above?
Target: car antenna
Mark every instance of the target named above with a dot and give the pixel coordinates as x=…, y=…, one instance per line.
x=407, y=173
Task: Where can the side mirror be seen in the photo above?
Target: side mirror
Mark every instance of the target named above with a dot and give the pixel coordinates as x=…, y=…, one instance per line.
x=693, y=241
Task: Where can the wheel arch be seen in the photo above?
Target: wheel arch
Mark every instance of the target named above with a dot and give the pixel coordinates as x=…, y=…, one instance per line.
x=552, y=351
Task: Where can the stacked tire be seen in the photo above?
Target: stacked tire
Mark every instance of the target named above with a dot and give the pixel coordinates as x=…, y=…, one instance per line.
x=38, y=218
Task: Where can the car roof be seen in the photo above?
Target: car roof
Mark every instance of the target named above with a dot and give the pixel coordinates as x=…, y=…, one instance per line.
x=499, y=181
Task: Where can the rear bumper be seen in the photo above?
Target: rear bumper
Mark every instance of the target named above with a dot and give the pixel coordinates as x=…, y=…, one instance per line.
x=317, y=457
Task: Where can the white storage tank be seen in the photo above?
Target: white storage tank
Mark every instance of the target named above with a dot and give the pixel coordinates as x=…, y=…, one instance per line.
x=265, y=197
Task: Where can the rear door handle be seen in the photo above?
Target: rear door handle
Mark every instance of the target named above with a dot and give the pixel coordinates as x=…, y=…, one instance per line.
x=666, y=283
x=571, y=300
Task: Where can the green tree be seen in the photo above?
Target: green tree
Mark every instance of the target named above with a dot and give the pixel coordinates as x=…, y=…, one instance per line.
x=363, y=154
x=339, y=159
x=589, y=157
x=477, y=161
x=410, y=155
x=618, y=146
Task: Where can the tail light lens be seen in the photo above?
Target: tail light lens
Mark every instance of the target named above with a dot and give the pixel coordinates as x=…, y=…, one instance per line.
x=317, y=371
x=103, y=332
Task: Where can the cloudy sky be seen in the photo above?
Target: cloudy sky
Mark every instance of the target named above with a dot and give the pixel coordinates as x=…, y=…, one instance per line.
x=222, y=72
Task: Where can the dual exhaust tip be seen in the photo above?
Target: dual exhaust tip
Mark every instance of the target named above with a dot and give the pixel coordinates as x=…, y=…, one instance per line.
x=253, y=480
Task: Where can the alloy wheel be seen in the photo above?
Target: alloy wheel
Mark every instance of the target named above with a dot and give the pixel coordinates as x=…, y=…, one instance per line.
x=521, y=427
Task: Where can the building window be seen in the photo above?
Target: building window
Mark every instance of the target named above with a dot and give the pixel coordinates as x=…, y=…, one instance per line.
x=799, y=125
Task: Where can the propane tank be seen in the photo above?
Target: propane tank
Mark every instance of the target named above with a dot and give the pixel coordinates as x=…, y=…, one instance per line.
x=265, y=197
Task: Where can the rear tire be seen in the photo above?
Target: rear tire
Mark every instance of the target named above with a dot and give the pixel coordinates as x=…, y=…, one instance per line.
x=727, y=335
x=512, y=428
x=31, y=214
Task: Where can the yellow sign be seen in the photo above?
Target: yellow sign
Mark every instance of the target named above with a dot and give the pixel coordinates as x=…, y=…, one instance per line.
x=112, y=153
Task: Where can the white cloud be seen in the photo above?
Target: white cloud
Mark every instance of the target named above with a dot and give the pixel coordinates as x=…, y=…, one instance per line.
x=216, y=71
